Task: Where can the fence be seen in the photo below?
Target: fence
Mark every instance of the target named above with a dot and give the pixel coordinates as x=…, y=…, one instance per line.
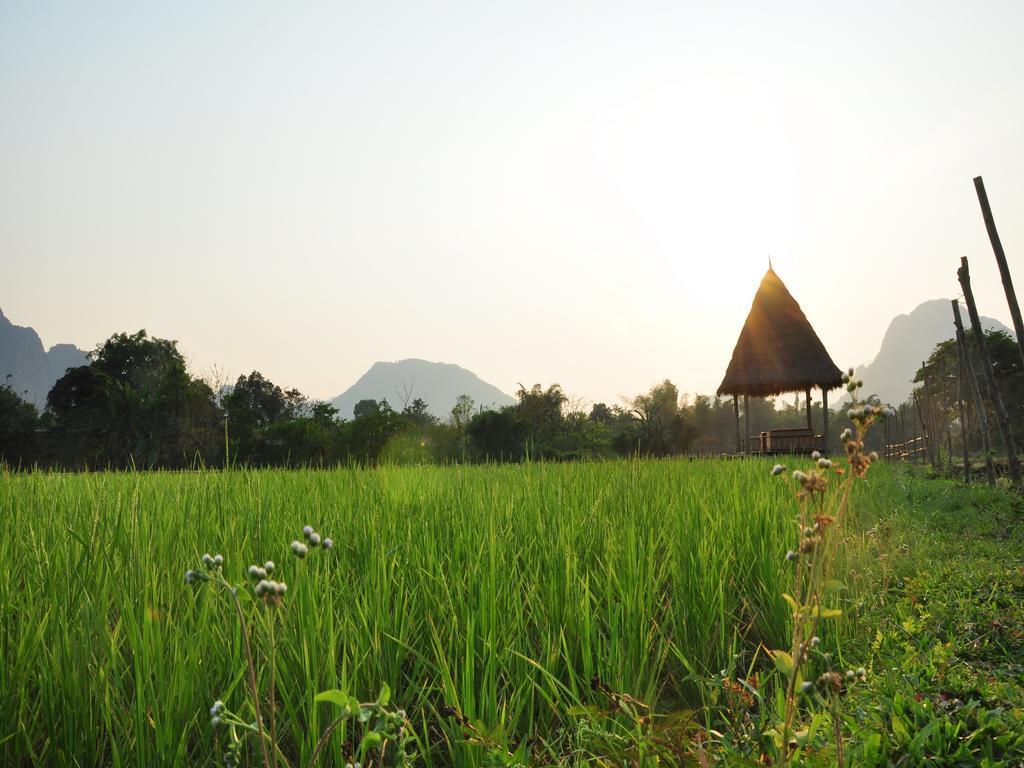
x=912, y=450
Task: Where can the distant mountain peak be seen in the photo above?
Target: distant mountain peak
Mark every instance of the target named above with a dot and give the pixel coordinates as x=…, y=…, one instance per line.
x=437, y=384
x=908, y=341
x=26, y=367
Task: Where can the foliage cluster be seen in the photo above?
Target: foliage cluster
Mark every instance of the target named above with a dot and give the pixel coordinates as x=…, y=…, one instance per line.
x=942, y=385
x=137, y=406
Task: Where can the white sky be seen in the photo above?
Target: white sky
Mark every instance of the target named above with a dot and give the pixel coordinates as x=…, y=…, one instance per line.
x=585, y=193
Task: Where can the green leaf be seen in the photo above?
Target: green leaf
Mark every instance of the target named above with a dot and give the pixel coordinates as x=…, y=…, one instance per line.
x=919, y=741
x=384, y=696
x=832, y=586
x=370, y=740
x=784, y=662
x=333, y=696
x=829, y=613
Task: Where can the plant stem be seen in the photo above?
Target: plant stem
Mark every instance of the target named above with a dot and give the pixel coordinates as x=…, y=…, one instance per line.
x=325, y=737
x=837, y=731
x=253, y=688
x=271, y=618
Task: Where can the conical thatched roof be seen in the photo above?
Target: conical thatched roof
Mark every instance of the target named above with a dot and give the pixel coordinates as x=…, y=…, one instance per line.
x=778, y=350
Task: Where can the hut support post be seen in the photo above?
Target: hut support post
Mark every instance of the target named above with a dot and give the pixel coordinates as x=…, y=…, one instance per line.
x=736, y=410
x=967, y=366
x=746, y=423
x=809, y=425
x=1004, y=270
x=1002, y=417
x=824, y=420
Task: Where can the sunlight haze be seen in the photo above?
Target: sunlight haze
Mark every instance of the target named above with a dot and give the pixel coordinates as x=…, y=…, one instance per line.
x=581, y=193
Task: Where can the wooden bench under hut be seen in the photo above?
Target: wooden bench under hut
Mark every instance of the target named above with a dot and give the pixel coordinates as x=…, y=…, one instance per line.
x=778, y=352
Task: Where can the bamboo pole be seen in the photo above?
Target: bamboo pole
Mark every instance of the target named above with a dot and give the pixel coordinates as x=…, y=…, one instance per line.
x=1004, y=269
x=900, y=427
x=979, y=406
x=927, y=415
x=914, y=423
x=934, y=424
x=924, y=427
x=961, y=410
x=1002, y=417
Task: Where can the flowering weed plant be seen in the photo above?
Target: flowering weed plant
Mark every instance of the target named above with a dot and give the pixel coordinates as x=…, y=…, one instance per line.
x=256, y=716
x=810, y=675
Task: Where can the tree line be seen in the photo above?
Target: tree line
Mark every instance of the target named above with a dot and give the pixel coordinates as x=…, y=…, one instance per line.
x=136, y=405
x=943, y=404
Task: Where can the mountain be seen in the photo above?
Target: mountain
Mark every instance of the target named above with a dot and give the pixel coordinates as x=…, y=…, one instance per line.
x=29, y=369
x=437, y=384
x=908, y=342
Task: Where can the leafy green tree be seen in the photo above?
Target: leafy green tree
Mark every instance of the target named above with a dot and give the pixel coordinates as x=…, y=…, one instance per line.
x=18, y=423
x=367, y=407
x=540, y=418
x=133, y=405
x=462, y=411
x=264, y=422
x=939, y=385
x=602, y=413
x=497, y=435
x=664, y=428
x=374, y=427
x=418, y=412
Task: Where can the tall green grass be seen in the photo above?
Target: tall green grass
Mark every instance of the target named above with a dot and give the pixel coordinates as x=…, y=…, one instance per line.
x=497, y=590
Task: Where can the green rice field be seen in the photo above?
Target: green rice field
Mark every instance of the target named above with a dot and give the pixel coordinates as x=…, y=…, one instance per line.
x=499, y=591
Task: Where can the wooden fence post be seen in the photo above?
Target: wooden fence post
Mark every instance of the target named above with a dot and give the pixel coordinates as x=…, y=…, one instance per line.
x=961, y=411
x=1004, y=270
x=967, y=366
x=1002, y=417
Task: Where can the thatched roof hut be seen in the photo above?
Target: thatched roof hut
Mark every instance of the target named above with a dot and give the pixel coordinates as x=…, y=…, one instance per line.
x=778, y=350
